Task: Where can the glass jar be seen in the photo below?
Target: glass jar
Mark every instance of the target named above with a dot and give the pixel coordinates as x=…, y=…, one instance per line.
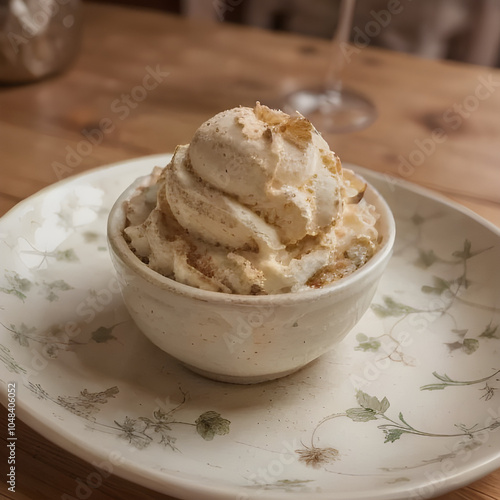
x=37, y=38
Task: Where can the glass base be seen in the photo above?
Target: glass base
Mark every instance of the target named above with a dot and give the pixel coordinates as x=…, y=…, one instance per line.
x=335, y=111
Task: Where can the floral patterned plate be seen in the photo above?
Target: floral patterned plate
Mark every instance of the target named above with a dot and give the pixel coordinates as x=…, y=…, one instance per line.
x=407, y=407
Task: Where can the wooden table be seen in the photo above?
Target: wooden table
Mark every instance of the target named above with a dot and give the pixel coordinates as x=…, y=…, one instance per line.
x=439, y=127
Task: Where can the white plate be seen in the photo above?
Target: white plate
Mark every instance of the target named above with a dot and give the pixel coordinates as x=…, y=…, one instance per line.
x=359, y=423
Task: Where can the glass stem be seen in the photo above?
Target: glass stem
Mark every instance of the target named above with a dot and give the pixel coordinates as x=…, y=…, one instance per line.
x=333, y=80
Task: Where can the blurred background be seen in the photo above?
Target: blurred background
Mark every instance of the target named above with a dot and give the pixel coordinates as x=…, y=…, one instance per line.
x=461, y=30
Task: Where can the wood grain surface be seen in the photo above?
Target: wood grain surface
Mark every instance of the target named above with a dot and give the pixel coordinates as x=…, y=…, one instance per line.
x=144, y=82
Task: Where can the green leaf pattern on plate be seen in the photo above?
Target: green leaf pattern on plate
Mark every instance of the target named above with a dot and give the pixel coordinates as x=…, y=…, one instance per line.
x=449, y=291
x=373, y=409
x=16, y=285
x=19, y=287
x=140, y=431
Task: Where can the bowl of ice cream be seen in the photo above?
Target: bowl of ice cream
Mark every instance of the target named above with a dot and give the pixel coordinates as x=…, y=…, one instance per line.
x=253, y=252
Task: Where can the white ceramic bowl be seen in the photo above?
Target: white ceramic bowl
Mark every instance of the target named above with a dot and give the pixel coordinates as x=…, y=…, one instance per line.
x=244, y=338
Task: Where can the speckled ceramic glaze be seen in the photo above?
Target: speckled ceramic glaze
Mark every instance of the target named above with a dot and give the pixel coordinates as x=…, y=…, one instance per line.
x=239, y=338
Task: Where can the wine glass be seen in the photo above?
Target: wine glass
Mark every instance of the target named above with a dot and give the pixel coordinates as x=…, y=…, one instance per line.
x=334, y=108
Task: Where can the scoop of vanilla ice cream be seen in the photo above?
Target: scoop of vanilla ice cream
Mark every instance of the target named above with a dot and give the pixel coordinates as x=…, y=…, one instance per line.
x=254, y=204
x=276, y=166
x=210, y=214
